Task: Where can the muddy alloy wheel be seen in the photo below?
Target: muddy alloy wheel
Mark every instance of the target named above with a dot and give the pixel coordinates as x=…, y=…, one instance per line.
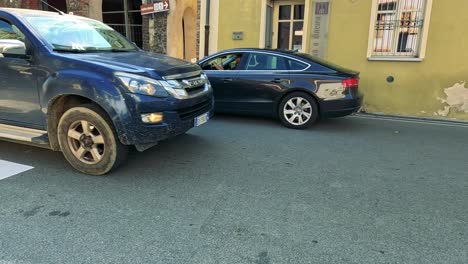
x=88, y=140
x=298, y=110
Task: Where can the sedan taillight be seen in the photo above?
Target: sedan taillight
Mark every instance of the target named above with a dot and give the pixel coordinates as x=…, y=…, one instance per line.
x=351, y=83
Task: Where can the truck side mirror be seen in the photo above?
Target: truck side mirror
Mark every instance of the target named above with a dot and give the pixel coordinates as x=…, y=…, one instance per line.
x=12, y=47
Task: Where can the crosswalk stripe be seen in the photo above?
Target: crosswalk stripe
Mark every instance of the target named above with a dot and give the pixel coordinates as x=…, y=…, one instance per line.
x=8, y=169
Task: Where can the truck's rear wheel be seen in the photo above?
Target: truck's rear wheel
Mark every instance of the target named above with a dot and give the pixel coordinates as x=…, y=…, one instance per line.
x=88, y=140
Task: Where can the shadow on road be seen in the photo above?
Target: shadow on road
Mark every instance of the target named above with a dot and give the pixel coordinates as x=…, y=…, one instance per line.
x=324, y=125
x=181, y=150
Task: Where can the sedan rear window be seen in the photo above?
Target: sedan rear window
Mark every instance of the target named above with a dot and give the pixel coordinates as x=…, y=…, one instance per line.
x=295, y=65
x=321, y=65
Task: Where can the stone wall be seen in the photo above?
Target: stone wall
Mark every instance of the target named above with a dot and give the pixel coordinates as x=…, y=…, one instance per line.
x=154, y=30
x=78, y=7
x=31, y=4
x=158, y=31
x=86, y=8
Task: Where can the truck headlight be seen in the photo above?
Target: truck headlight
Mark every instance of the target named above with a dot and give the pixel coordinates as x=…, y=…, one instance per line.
x=142, y=85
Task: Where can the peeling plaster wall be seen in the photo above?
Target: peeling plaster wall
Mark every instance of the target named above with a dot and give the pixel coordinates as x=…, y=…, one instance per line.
x=418, y=85
x=456, y=100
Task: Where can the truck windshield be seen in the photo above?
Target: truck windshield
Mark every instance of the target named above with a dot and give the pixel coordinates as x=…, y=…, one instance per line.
x=72, y=34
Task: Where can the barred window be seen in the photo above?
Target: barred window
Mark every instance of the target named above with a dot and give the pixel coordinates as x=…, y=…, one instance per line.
x=398, y=28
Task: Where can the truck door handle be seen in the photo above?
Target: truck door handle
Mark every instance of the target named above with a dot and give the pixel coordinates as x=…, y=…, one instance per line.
x=278, y=80
x=227, y=80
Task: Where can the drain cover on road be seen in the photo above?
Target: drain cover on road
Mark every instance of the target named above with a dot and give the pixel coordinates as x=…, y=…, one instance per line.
x=8, y=169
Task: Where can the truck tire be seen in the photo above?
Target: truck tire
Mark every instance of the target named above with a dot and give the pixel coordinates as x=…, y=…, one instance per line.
x=88, y=140
x=298, y=110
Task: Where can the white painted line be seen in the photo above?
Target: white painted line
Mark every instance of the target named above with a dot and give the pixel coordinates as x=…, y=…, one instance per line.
x=410, y=121
x=8, y=169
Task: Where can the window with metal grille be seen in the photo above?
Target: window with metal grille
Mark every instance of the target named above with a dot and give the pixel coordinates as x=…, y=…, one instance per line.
x=398, y=28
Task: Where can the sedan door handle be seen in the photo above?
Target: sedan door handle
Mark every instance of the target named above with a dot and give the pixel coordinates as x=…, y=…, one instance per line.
x=227, y=80
x=278, y=80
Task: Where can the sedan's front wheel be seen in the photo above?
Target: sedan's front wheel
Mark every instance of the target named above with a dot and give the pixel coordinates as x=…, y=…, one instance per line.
x=298, y=110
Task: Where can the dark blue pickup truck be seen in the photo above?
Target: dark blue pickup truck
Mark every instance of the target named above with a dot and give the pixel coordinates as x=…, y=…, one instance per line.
x=75, y=85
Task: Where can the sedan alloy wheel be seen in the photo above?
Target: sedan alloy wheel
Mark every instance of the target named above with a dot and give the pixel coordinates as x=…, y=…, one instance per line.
x=298, y=110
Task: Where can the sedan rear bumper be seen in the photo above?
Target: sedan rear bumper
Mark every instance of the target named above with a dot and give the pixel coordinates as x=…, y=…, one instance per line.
x=339, y=108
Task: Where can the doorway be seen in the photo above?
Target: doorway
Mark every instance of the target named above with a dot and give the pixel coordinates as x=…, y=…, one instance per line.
x=59, y=4
x=289, y=25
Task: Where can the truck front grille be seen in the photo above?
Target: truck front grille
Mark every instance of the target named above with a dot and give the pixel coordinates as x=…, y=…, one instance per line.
x=194, y=110
x=195, y=90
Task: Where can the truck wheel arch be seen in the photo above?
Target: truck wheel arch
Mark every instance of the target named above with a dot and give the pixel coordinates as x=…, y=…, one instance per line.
x=58, y=105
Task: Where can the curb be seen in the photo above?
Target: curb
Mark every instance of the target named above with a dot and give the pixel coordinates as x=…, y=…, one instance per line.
x=413, y=118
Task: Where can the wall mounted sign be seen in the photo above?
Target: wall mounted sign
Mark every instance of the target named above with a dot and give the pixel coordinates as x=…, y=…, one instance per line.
x=237, y=35
x=319, y=36
x=161, y=6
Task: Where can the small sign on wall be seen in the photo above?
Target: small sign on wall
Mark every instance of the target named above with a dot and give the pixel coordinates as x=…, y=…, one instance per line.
x=319, y=36
x=157, y=7
x=237, y=35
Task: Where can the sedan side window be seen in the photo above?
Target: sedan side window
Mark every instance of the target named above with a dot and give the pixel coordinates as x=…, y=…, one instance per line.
x=12, y=40
x=226, y=62
x=266, y=62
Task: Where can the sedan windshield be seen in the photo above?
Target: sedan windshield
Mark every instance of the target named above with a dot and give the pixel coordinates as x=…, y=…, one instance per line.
x=73, y=34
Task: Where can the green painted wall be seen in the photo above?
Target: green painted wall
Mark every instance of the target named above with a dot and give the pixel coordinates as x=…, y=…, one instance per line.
x=235, y=16
x=418, y=85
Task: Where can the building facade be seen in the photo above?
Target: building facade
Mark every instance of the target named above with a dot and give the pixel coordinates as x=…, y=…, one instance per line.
x=410, y=52
x=174, y=32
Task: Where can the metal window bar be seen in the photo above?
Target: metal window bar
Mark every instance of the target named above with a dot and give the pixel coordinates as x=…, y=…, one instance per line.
x=398, y=28
x=134, y=30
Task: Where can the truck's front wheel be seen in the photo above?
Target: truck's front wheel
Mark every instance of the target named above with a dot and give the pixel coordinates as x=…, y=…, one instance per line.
x=88, y=140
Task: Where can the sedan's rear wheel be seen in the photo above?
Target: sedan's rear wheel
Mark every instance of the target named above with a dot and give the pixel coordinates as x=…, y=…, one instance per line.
x=298, y=110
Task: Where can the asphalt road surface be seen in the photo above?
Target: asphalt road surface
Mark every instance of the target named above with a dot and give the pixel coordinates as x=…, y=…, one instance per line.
x=247, y=190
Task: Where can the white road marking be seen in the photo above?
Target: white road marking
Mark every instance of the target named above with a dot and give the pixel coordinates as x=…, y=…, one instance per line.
x=8, y=169
x=412, y=121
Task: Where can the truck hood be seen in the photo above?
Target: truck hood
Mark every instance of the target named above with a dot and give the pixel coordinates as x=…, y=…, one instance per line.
x=138, y=61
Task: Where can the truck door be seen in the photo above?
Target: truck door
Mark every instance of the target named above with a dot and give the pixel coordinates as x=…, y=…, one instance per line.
x=19, y=99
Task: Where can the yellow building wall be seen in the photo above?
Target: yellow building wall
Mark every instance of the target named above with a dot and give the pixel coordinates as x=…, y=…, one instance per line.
x=419, y=87
x=239, y=16
x=182, y=10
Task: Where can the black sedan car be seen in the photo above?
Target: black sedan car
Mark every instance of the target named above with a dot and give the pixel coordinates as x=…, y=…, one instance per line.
x=296, y=87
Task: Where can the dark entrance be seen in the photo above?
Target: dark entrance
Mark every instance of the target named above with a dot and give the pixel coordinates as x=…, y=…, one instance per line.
x=125, y=17
x=59, y=4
